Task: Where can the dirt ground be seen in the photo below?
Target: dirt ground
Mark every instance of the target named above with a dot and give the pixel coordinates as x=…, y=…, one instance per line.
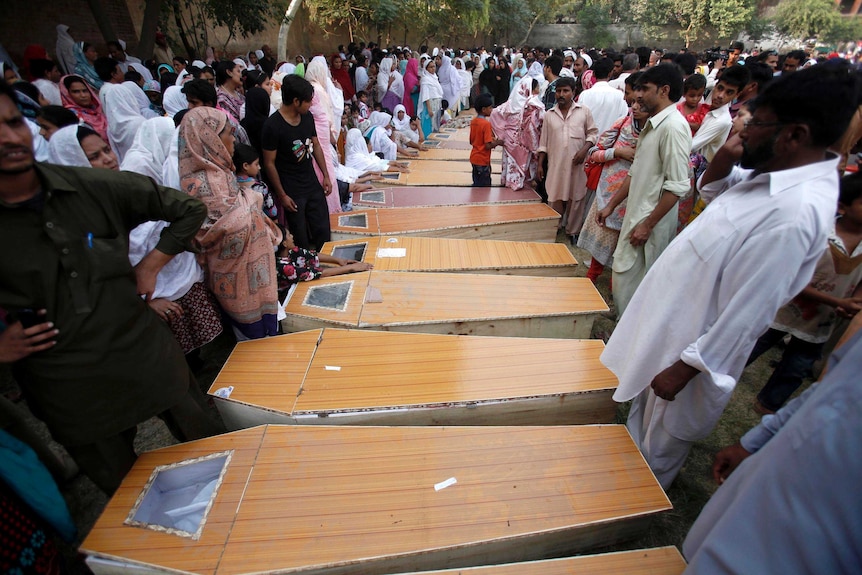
x=688, y=494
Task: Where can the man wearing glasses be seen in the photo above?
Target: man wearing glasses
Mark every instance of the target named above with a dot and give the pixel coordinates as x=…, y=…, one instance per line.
x=682, y=344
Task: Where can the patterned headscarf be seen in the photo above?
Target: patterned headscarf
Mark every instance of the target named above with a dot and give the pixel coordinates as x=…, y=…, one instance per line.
x=206, y=167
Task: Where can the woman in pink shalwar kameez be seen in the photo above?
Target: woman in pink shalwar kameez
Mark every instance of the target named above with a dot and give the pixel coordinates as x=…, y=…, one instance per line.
x=518, y=122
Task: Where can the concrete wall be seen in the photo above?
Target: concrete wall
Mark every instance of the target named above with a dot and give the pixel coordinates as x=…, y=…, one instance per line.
x=26, y=22
x=558, y=35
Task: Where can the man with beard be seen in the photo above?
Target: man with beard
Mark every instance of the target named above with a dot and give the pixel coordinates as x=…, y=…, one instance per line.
x=681, y=346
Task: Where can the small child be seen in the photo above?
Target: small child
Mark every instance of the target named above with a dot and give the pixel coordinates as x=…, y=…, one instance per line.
x=362, y=104
x=835, y=290
x=445, y=114
x=247, y=165
x=483, y=141
x=692, y=106
x=295, y=264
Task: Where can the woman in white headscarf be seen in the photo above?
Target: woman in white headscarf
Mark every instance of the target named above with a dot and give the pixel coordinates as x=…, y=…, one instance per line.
x=253, y=59
x=124, y=115
x=519, y=70
x=174, y=100
x=390, y=84
x=65, y=49
x=378, y=135
x=430, y=97
x=360, y=158
x=466, y=81
x=326, y=122
x=150, y=148
x=450, y=81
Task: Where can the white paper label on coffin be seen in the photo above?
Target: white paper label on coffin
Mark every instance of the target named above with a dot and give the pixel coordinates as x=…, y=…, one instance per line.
x=391, y=252
x=444, y=484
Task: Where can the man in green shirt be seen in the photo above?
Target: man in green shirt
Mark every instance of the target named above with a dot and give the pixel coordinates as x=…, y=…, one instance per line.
x=98, y=361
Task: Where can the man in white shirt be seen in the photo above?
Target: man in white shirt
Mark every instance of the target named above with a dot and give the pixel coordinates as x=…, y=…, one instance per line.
x=631, y=63
x=606, y=104
x=681, y=346
x=716, y=124
x=47, y=75
x=658, y=178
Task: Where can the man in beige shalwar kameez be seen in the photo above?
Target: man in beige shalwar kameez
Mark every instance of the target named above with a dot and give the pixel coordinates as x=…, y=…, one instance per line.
x=568, y=133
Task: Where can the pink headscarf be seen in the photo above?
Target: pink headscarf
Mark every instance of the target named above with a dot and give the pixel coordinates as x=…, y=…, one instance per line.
x=518, y=122
x=411, y=80
x=93, y=116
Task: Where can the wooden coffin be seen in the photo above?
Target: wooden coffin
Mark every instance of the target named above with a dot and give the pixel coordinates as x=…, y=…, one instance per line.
x=420, y=196
x=412, y=254
x=424, y=178
x=421, y=164
x=511, y=222
x=374, y=500
x=455, y=304
x=357, y=377
x=451, y=134
x=436, y=152
x=448, y=144
x=655, y=561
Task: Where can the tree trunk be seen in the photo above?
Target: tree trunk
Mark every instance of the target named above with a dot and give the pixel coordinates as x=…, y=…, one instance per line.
x=530, y=30
x=289, y=15
x=148, y=29
x=102, y=20
x=191, y=53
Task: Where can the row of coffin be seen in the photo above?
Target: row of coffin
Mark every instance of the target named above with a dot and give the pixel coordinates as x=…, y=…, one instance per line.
x=419, y=451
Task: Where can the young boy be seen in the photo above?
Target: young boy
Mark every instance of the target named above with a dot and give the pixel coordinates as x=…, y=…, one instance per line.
x=835, y=290
x=289, y=141
x=483, y=141
x=362, y=103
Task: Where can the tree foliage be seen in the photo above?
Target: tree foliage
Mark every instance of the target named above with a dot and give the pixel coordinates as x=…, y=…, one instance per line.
x=594, y=20
x=195, y=21
x=810, y=19
x=696, y=19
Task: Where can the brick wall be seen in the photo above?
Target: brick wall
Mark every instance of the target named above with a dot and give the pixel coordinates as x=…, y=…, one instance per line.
x=26, y=22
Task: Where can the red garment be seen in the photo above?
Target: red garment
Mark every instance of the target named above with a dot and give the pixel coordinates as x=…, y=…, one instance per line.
x=411, y=82
x=480, y=134
x=93, y=116
x=694, y=119
x=32, y=52
x=342, y=77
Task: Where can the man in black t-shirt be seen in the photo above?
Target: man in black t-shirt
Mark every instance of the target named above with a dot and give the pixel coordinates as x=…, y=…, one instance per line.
x=289, y=142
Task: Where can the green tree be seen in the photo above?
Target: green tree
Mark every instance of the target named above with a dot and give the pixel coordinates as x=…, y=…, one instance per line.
x=594, y=21
x=696, y=19
x=808, y=18
x=194, y=21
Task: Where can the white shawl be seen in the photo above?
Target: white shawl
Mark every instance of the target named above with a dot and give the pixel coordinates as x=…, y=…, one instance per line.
x=65, y=150
x=317, y=72
x=429, y=86
x=357, y=156
x=378, y=135
x=150, y=149
x=123, y=113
